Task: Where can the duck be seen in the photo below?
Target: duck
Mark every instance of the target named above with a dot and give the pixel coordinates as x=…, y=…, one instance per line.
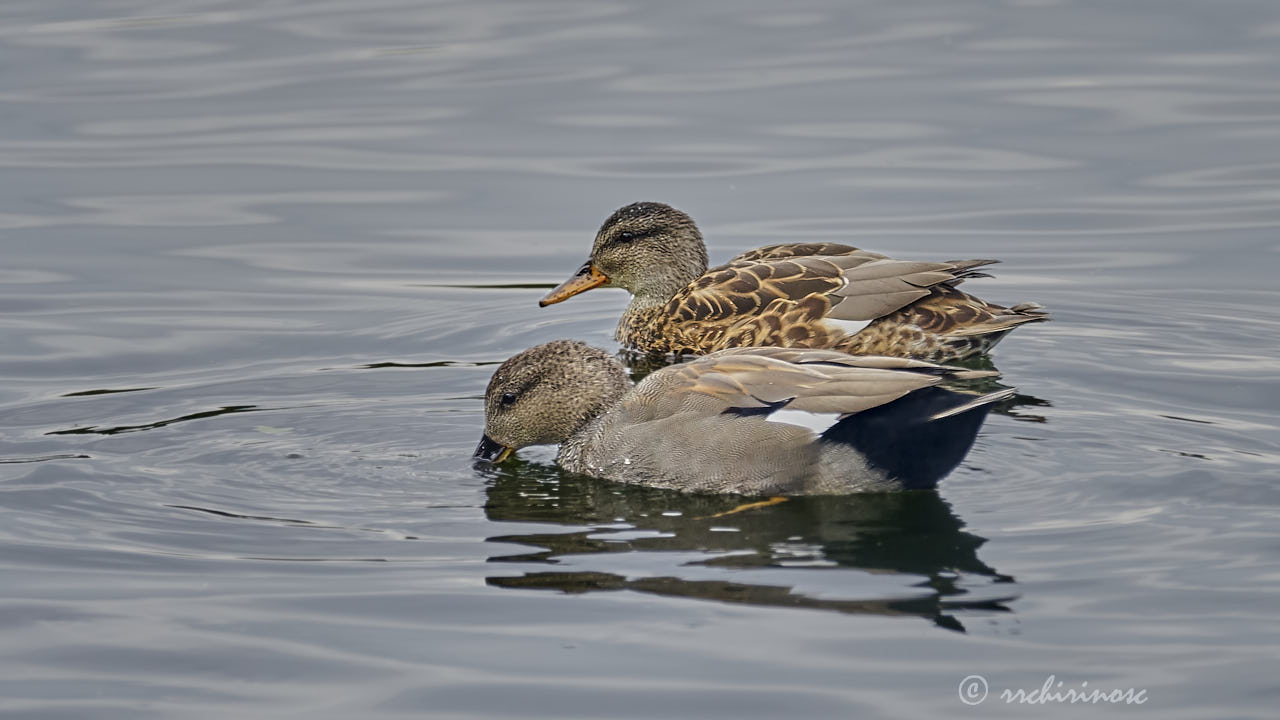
x=816, y=295
x=760, y=421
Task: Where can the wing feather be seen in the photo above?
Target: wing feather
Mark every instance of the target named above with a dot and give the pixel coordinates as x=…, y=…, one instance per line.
x=810, y=380
x=790, y=250
x=778, y=280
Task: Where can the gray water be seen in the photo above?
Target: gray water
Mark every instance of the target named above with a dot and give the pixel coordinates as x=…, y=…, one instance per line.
x=260, y=258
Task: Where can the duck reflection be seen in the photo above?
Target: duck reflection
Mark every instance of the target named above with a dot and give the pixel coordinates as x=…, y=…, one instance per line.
x=914, y=535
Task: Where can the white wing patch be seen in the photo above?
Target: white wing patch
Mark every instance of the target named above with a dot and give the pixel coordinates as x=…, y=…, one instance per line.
x=848, y=327
x=817, y=422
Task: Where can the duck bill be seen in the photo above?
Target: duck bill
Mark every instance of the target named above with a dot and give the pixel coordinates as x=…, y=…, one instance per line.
x=587, y=277
x=492, y=451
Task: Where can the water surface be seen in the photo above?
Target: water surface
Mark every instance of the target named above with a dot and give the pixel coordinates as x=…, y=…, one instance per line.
x=259, y=260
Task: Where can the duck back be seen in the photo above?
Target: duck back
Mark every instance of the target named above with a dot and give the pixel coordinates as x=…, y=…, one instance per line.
x=917, y=439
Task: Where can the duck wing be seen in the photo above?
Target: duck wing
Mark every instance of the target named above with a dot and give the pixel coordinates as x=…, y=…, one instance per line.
x=775, y=280
x=948, y=325
x=790, y=250
x=763, y=380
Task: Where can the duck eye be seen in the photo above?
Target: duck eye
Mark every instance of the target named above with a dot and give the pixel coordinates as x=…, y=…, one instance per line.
x=626, y=237
x=508, y=398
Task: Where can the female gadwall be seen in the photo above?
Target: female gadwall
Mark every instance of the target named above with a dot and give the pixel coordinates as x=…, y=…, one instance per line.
x=806, y=295
x=755, y=421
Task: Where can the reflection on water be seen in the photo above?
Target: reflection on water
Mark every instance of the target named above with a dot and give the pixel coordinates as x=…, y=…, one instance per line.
x=230, y=409
x=913, y=536
x=258, y=256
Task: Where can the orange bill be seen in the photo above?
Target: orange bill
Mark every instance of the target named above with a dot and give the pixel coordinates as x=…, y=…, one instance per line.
x=586, y=278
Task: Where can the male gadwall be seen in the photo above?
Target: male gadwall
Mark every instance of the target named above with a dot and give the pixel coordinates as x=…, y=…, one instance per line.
x=806, y=295
x=754, y=421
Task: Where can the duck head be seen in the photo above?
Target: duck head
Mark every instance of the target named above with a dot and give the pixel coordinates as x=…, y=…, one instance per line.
x=545, y=394
x=650, y=249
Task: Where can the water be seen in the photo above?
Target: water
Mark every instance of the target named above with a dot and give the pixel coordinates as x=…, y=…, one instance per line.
x=260, y=258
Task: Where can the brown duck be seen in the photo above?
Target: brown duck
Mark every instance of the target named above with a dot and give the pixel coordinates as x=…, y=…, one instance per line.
x=806, y=295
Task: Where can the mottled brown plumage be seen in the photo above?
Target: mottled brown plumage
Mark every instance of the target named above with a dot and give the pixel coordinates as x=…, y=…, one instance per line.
x=794, y=295
x=947, y=325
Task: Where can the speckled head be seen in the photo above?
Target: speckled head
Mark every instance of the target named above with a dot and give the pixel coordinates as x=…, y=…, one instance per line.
x=649, y=248
x=547, y=393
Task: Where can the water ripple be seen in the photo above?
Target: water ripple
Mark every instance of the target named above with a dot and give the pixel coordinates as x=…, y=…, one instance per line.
x=341, y=215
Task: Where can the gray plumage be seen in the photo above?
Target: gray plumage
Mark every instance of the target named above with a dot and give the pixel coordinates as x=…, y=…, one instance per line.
x=704, y=426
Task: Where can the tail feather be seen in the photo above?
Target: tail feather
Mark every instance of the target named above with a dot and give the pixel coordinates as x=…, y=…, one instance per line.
x=968, y=270
x=997, y=324
x=988, y=399
x=920, y=438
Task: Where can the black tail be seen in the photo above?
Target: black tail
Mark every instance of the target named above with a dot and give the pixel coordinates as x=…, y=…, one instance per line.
x=919, y=438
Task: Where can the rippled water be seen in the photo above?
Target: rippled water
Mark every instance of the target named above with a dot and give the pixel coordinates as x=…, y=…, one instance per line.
x=260, y=258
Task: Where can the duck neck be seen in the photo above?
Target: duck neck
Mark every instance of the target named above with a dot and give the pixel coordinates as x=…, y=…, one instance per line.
x=574, y=454
x=606, y=391
x=570, y=456
x=665, y=280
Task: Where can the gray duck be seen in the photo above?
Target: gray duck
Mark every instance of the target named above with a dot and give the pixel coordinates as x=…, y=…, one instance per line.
x=753, y=421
